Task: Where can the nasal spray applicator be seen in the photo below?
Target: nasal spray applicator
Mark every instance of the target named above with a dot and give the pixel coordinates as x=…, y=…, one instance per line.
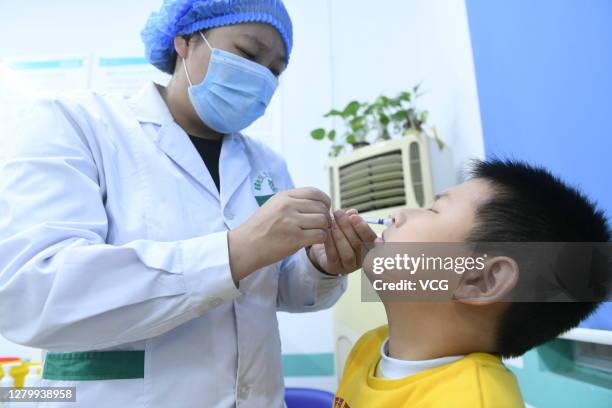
x=379, y=221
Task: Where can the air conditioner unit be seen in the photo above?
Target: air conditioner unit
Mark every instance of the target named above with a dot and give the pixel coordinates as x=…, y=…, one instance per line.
x=377, y=180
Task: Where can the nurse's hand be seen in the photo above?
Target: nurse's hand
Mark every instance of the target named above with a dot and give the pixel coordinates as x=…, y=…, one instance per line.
x=342, y=251
x=287, y=222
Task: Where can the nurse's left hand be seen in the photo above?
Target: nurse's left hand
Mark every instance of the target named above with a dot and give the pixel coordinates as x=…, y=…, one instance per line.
x=341, y=253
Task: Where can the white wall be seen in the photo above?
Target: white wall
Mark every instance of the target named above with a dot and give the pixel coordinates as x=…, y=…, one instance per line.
x=388, y=46
x=344, y=50
x=31, y=27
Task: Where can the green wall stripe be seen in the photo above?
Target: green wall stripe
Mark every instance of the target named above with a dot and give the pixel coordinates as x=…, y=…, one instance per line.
x=49, y=64
x=115, y=62
x=308, y=365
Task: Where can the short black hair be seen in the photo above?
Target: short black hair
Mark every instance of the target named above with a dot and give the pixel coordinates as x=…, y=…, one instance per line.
x=529, y=204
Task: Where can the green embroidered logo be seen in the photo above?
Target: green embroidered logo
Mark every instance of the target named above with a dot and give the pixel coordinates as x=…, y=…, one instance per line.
x=264, y=188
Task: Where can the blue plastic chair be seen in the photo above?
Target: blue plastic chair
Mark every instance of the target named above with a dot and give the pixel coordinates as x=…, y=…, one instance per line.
x=308, y=398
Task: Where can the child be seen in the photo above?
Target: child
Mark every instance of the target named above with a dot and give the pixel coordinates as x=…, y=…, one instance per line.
x=448, y=354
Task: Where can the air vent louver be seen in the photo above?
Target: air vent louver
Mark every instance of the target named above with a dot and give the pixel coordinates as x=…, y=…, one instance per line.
x=416, y=175
x=374, y=183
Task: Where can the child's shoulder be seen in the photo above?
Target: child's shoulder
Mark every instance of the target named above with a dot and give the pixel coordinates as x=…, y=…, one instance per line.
x=380, y=333
x=486, y=364
x=490, y=380
x=373, y=338
x=485, y=361
x=368, y=345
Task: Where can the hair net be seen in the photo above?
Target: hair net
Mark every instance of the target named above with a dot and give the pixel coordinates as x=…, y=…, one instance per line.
x=182, y=17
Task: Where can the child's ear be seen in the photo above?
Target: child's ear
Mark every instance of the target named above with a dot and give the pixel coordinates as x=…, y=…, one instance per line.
x=489, y=285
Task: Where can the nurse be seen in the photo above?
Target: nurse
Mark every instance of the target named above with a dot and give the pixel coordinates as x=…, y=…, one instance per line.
x=146, y=245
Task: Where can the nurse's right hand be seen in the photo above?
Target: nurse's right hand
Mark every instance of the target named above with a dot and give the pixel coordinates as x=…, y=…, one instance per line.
x=287, y=222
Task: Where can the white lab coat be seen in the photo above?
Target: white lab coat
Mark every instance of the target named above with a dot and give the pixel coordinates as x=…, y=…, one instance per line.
x=113, y=236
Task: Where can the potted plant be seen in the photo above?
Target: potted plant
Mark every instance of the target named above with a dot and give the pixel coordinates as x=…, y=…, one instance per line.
x=385, y=118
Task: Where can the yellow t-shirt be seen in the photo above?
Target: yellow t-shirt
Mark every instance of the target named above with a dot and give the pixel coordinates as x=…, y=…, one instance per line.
x=478, y=380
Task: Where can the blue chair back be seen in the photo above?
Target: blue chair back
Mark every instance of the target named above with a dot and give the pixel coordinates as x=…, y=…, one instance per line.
x=308, y=398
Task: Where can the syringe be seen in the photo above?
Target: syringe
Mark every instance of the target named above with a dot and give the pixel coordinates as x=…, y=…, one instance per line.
x=379, y=221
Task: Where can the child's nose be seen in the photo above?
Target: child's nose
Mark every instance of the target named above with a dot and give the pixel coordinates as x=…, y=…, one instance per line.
x=403, y=215
x=400, y=217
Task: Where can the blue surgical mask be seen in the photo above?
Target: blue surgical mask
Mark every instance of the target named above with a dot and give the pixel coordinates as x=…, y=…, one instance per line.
x=234, y=93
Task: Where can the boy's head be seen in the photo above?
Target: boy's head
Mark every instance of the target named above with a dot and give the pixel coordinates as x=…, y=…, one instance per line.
x=509, y=201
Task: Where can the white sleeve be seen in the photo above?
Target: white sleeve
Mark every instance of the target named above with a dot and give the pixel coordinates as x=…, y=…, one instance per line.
x=62, y=288
x=303, y=288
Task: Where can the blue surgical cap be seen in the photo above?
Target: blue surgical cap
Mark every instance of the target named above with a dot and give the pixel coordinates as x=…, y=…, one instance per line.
x=183, y=17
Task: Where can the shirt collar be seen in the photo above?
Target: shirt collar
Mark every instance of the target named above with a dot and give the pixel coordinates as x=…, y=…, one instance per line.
x=392, y=368
x=149, y=106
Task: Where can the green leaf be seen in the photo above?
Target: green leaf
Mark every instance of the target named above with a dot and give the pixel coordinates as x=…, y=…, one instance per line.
x=369, y=110
x=382, y=101
x=384, y=119
x=405, y=96
x=395, y=102
x=399, y=116
x=318, y=134
x=351, y=139
x=351, y=109
x=331, y=135
x=357, y=123
x=332, y=112
x=336, y=150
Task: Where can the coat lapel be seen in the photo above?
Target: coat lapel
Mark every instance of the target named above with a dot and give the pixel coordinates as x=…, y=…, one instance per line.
x=150, y=108
x=234, y=162
x=176, y=144
x=234, y=166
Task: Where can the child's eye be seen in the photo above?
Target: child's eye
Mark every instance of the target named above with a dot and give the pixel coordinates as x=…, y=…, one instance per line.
x=432, y=210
